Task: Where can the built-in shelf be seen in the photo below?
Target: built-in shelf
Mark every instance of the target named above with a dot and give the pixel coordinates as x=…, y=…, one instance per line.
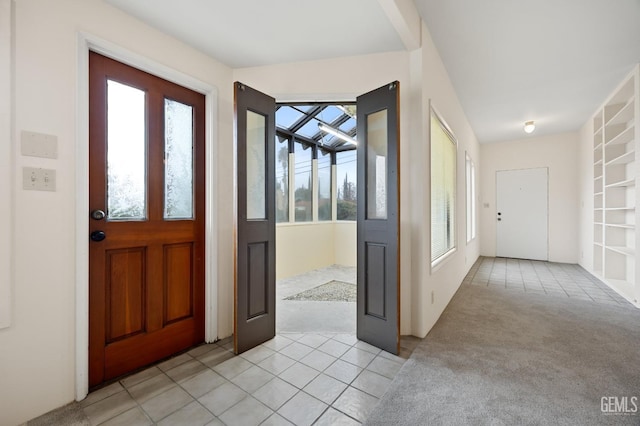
x=620, y=225
x=624, y=115
x=612, y=209
x=615, y=195
x=625, y=136
x=627, y=251
x=626, y=158
x=623, y=183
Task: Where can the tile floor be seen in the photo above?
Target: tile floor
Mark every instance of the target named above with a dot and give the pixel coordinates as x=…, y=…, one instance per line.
x=295, y=378
x=530, y=276
x=302, y=378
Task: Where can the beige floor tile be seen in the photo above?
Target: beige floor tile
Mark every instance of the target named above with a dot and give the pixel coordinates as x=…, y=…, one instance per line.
x=192, y=414
x=109, y=407
x=149, y=388
x=275, y=393
x=302, y=409
x=355, y=403
x=202, y=383
x=333, y=417
x=372, y=383
x=248, y=412
x=343, y=371
x=186, y=371
x=318, y=360
x=166, y=403
x=325, y=388
x=132, y=417
x=252, y=379
x=222, y=398
x=299, y=375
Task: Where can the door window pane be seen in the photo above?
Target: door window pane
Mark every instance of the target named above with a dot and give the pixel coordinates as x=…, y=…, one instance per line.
x=282, y=179
x=256, y=166
x=303, y=184
x=126, y=152
x=377, y=165
x=443, y=186
x=178, y=151
x=324, y=185
x=346, y=175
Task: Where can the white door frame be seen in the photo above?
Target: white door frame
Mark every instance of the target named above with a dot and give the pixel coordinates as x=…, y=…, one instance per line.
x=88, y=42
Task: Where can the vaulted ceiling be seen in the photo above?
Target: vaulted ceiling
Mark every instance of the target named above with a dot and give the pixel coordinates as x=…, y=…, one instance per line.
x=510, y=61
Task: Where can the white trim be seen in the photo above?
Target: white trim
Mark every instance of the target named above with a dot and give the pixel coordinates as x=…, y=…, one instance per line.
x=6, y=161
x=88, y=42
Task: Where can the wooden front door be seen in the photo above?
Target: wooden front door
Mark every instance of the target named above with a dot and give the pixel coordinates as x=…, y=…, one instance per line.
x=378, y=245
x=146, y=203
x=255, y=262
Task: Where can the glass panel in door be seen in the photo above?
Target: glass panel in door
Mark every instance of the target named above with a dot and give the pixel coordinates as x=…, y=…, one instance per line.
x=178, y=153
x=377, y=165
x=126, y=152
x=256, y=166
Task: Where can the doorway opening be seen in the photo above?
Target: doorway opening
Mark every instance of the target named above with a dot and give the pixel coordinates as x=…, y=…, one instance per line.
x=316, y=198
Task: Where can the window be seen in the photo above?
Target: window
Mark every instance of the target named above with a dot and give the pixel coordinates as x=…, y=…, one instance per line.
x=346, y=176
x=302, y=183
x=443, y=189
x=471, y=198
x=309, y=138
x=282, y=179
x=324, y=185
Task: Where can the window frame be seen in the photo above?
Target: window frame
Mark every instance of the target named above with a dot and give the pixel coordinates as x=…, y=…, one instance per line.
x=438, y=261
x=471, y=198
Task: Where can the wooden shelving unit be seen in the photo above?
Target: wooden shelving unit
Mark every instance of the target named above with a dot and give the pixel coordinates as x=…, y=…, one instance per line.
x=616, y=170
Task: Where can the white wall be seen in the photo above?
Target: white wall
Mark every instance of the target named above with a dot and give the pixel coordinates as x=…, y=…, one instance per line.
x=344, y=243
x=37, y=353
x=585, y=193
x=303, y=247
x=6, y=165
x=432, y=83
x=560, y=154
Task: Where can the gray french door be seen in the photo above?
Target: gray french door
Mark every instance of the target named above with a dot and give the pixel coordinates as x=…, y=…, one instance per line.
x=378, y=258
x=255, y=275
x=378, y=282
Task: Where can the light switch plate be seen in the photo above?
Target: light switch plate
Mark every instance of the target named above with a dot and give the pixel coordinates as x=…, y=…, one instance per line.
x=39, y=145
x=36, y=179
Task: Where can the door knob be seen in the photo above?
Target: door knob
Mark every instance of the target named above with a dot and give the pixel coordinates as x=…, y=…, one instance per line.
x=98, y=236
x=97, y=215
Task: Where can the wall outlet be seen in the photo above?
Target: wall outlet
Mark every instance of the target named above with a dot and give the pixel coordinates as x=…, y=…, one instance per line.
x=35, y=179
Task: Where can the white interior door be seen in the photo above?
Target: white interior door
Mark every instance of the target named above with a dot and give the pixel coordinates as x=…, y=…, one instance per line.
x=522, y=213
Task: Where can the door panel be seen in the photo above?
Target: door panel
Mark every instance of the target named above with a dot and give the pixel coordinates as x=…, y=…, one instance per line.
x=255, y=276
x=125, y=288
x=522, y=213
x=378, y=245
x=146, y=254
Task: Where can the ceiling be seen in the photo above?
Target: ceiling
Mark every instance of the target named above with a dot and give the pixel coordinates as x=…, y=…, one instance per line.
x=550, y=61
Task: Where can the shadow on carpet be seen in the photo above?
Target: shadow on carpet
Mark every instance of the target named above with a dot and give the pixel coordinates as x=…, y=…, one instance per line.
x=500, y=357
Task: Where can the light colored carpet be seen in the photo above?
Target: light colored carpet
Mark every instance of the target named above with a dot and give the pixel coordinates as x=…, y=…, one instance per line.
x=504, y=357
x=333, y=291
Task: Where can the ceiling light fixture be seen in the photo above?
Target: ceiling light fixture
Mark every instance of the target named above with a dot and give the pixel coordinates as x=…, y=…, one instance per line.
x=337, y=133
x=529, y=126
